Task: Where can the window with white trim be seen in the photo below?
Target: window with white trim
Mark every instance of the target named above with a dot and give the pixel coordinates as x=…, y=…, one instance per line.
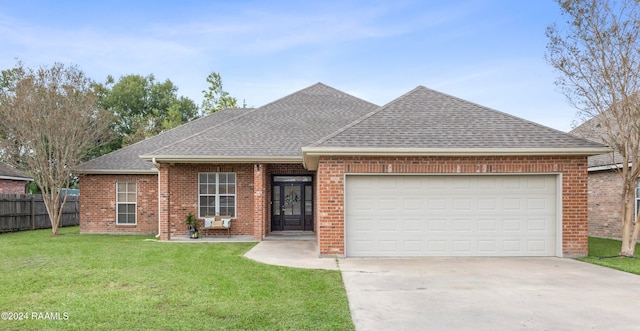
x=216, y=193
x=126, y=202
x=637, y=198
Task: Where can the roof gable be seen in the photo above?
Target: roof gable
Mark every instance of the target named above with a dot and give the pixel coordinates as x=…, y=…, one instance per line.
x=592, y=130
x=427, y=122
x=275, y=131
x=424, y=118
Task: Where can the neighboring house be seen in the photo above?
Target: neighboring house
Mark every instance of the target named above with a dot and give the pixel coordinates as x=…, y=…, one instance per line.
x=427, y=174
x=13, y=181
x=605, y=189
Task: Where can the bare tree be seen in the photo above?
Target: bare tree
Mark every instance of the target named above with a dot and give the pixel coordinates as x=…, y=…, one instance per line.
x=49, y=121
x=598, y=55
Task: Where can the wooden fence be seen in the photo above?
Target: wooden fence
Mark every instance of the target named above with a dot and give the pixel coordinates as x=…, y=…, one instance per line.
x=19, y=212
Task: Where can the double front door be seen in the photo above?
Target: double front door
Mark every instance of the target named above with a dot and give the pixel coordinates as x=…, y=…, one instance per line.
x=292, y=203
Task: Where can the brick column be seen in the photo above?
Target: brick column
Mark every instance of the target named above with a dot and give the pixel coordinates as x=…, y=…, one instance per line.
x=259, y=202
x=330, y=207
x=164, y=202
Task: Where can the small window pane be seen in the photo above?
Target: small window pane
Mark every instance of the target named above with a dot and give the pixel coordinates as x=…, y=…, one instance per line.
x=207, y=206
x=122, y=197
x=308, y=208
x=231, y=188
x=223, y=188
x=131, y=197
x=227, y=205
x=229, y=210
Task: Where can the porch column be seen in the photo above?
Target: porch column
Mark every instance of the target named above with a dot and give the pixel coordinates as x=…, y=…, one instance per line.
x=259, y=201
x=164, y=202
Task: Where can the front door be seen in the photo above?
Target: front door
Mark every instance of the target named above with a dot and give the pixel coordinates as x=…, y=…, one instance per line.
x=292, y=203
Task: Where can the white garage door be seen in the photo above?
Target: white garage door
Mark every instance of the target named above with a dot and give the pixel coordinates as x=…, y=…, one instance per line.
x=451, y=215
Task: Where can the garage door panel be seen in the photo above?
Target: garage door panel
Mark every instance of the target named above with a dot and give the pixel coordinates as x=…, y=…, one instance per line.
x=487, y=225
x=451, y=215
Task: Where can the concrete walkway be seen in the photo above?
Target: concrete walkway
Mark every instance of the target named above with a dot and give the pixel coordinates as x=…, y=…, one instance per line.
x=291, y=253
x=473, y=293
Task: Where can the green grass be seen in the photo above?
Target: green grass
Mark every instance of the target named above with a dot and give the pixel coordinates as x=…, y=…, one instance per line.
x=602, y=252
x=107, y=282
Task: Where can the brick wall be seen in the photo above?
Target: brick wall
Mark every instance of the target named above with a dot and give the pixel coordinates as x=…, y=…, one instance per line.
x=181, y=183
x=331, y=173
x=98, y=204
x=605, y=197
x=8, y=186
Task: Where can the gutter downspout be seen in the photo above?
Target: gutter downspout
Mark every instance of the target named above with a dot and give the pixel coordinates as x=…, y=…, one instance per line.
x=155, y=164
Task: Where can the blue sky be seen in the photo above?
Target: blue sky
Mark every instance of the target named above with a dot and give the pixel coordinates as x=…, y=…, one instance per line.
x=487, y=51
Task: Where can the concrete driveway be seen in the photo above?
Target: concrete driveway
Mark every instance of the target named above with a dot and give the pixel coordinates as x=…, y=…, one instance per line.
x=489, y=294
x=473, y=293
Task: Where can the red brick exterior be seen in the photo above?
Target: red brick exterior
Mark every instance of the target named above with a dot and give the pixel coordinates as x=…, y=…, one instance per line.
x=179, y=196
x=605, y=198
x=8, y=186
x=260, y=202
x=178, y=192
x=98, y=204
x=331, y=175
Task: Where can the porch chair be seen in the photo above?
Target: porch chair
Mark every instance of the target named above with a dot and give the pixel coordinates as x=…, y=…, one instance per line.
x=218, y=223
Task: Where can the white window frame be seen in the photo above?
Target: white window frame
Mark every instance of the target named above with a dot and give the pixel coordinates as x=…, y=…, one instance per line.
x=637, y=199
x=217, y=193
x=134, y=203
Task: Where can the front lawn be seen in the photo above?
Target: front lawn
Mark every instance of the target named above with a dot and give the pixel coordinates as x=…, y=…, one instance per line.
x=603, y=252
x=102, y=282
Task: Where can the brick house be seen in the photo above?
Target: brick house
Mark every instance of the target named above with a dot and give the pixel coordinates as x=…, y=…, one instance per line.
x=12, y=181
x=427, y=174
x=605, y=188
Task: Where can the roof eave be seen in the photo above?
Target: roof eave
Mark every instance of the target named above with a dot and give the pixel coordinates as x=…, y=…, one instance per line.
x=606, y=167
x=311, y=155
x=220, y=159
x=151, y=171
x=25, y=179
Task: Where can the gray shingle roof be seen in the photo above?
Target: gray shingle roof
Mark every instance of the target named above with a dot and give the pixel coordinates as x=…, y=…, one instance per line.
x=278, y=129
x=322, y=117
x=127, y=160
x=424, y=118
x=588, y=130
x=7, y=172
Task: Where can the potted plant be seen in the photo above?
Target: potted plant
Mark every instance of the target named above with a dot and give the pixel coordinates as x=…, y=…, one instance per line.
x=192, y=227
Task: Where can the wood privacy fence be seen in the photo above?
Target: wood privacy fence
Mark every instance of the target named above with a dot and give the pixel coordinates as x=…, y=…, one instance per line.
x=19, y=212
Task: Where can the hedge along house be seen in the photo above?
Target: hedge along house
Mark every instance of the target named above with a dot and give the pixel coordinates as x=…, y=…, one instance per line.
x=426, y=175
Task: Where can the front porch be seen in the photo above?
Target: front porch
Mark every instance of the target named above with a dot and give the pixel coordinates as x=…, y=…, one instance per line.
x=266, y=201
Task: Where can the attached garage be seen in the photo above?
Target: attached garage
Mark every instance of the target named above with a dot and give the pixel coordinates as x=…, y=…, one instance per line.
x=452, y=215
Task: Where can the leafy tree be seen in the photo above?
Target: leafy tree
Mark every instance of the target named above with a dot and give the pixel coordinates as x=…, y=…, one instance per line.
x=50, y=120
x=215, y=97
x=598, y=55
x=142, y=108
